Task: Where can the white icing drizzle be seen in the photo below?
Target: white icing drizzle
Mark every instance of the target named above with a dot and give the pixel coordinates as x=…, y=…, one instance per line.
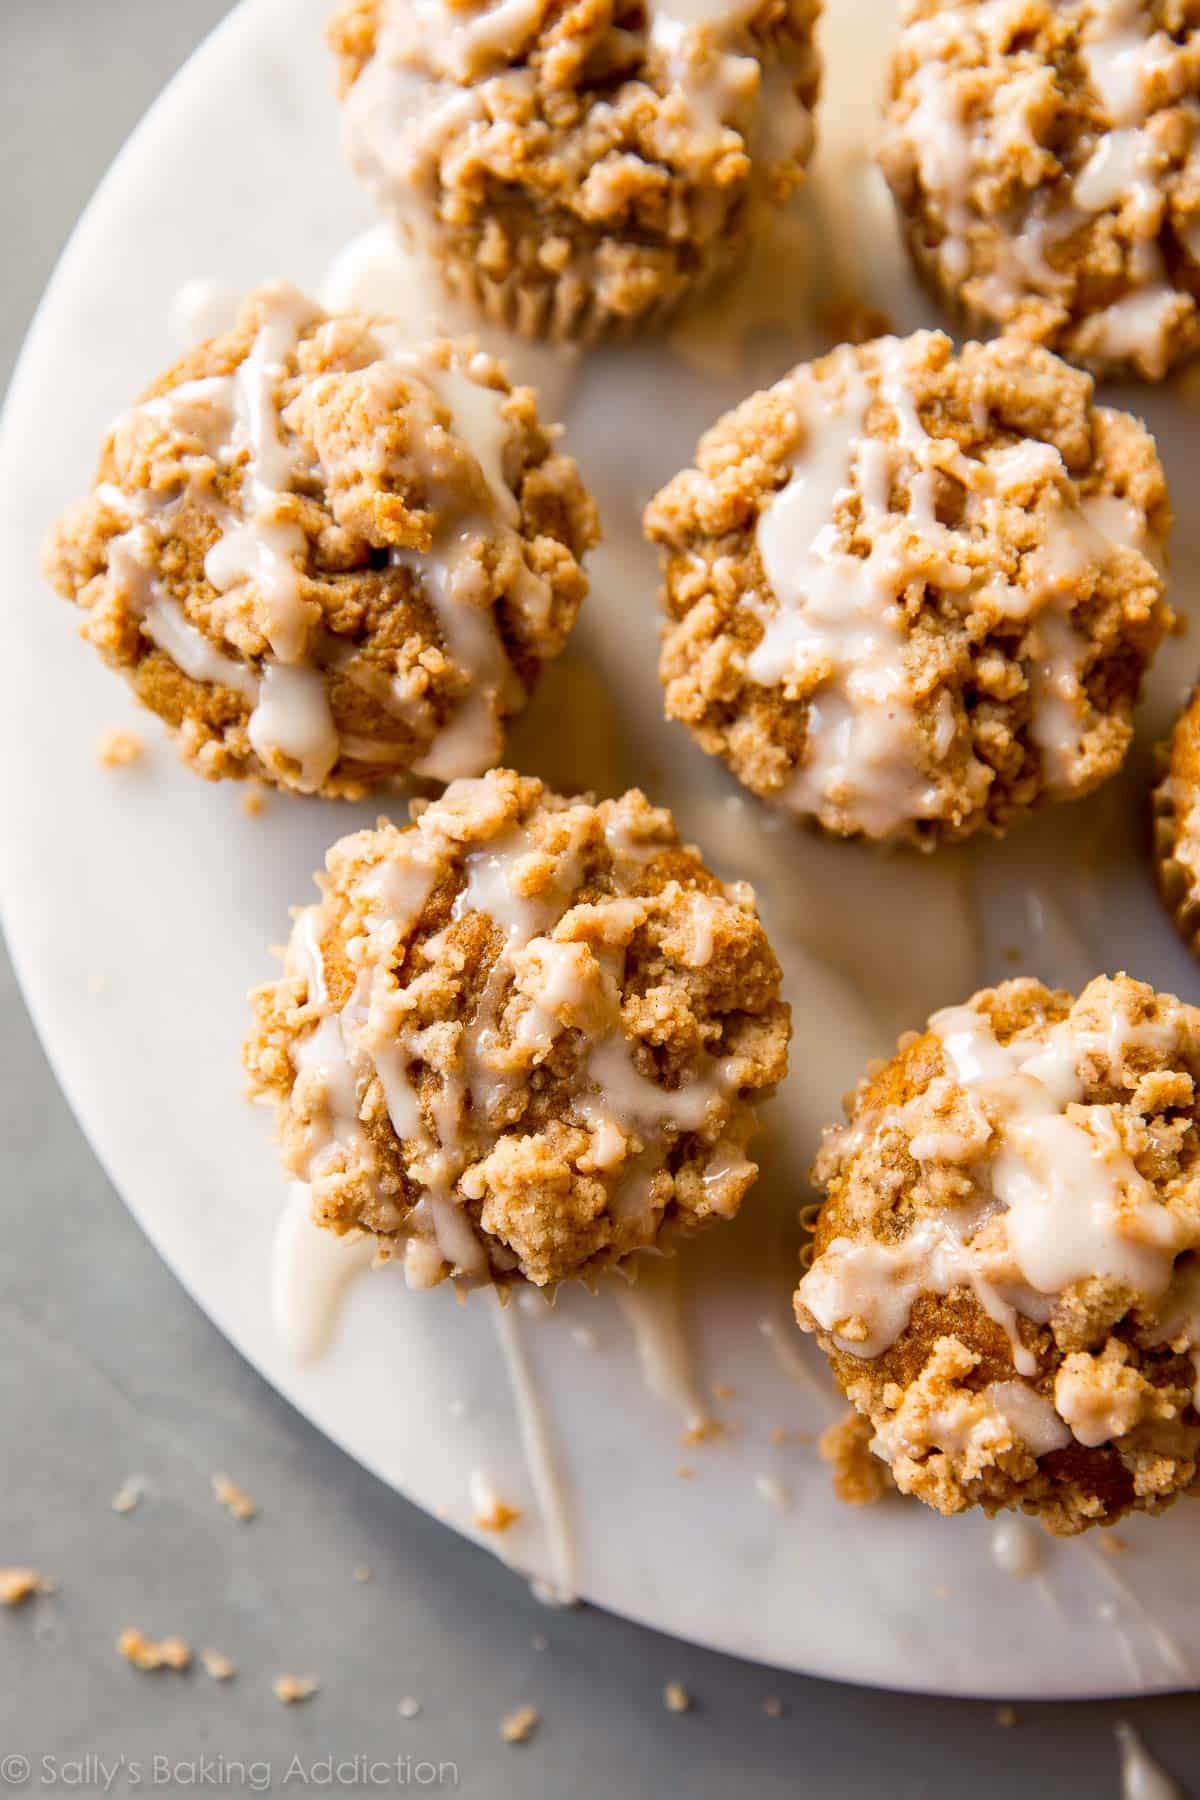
x=562, y=1590
x=1060, y=1200
x=237, y=416
x=1124, y=59
x=1016, y=1547
x=651, y=1303
x=311, y=1270
x=1141, y=1777
x=836, y=632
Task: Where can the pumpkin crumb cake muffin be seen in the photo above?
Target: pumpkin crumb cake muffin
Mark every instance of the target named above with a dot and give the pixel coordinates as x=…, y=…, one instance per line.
x=1176, y=809
x=523, y=1037
x=1043, y=156
x=911, y=594
x=579, y=168
x=327, y=558
x=1005, y=1276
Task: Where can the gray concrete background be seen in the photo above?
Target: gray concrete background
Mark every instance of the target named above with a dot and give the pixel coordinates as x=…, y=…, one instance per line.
x=108, y=1370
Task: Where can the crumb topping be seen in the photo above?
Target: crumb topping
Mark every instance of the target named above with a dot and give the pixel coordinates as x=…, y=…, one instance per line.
x=911, y=594
x=1043, y=156
x=1006, y=1277
x=523, y=1037
x=150, y=1654
x=118, y=747
x=520, y=1726
x=327, y=558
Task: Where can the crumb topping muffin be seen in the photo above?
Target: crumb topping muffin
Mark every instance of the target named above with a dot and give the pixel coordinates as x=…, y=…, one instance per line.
x=327, y=558
x=911, y=594
x=523, y=1037
x=1005, y=1276
x=1176, y=816
x=1043, y=155
x=577, y=168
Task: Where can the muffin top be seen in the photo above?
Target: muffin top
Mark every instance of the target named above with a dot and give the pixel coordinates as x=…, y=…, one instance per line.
x=328, y=558
x=1005, y=1276
x=1043, y=153
x=912, y=594
x=607, y=125
x=522, y=1037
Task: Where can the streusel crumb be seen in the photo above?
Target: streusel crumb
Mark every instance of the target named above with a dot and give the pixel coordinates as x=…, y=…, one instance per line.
x=327, y=558
x=153, y=1653
x=234, y=1498
x=578, y=169
x=911, y=594
x=217, y=1665
x=520, y=1726
x=1176, y=821
x=523, y=1038
x=118, y=747
x=1043, y=158
x=18, y=1585
x=860, y=1478
x=291, y=1690
x=1006, y=1279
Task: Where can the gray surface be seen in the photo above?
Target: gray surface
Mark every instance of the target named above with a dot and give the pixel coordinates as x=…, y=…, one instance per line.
x=108, y=1370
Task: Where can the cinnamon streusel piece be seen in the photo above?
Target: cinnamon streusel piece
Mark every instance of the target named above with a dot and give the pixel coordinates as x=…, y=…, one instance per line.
x=1005, y=1278
x=577, y=169
x=522, y=1038
x=327, y=558
x=911, y=594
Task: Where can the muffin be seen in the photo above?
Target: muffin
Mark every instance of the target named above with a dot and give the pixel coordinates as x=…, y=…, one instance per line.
x=326, y=559
x=577, y=170
x=1043, y=156
x=1176, y=818
x=1005, y=1278
x=911, y=594
x=522, y=1038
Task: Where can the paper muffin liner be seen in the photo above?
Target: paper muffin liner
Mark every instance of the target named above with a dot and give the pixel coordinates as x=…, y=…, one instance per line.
x=565, y=310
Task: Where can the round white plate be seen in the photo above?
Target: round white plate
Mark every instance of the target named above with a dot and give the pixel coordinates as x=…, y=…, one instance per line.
x=139, y=905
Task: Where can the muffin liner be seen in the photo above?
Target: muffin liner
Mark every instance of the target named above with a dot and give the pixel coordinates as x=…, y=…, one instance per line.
x=563, y=311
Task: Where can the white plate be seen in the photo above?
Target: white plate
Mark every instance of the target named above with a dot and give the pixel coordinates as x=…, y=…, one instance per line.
x=139, y=905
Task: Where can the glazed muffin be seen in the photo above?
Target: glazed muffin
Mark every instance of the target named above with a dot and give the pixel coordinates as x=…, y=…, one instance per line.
x=1043, y=156
x=577, y=170
x=911, y=595
x=1176, y=819
x=1005, y=1278
x=328, y=559
x=522, y=1038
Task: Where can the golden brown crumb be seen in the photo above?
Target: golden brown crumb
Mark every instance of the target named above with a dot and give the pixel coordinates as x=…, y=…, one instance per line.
x=18, y=1585
x=722, y=1391
x=1111, y=1544
x=1006, y=1715
x=703, y=1433
x=233, y=1498
x=254, y=800
x=290, y=1690
x=216, y=1664
x=128, y=1495
x=859, y=1477
x=361, y=1572
x=118, y=747
x=685, y=1471
x=676, y=1698
x=520, y=1726
x=153, y=1653
x=773, y=1706
x=494, y=1514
